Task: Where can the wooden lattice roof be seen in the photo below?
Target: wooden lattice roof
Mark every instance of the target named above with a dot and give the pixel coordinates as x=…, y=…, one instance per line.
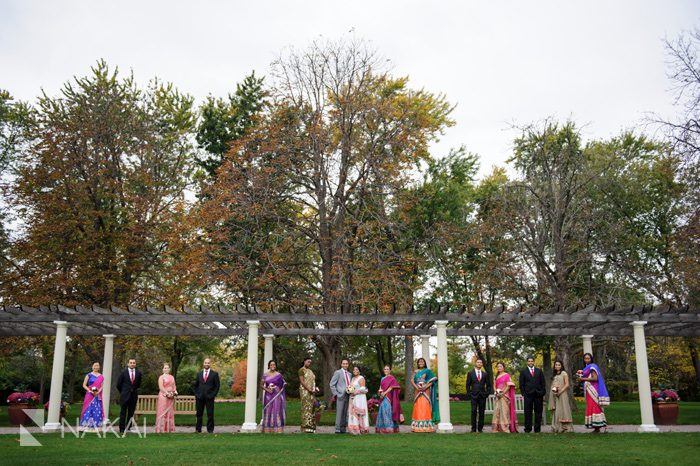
x=612, y=320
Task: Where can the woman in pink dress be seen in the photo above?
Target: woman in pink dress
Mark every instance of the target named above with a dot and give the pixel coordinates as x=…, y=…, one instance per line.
x=504, y=418
x=165, y=408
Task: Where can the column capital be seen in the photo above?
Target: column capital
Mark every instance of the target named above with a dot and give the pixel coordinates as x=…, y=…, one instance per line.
x=587, y=336
x=61, y=323
x=638, y=323
x=441, y=323
x=268, y=335
x=253, y=323
x=109, y=336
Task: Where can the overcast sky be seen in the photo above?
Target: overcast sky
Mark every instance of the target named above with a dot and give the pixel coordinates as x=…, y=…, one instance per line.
x=599, y=62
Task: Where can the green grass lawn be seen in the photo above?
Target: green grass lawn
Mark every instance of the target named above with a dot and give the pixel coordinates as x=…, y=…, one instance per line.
x=657, y=449
x=624, y=412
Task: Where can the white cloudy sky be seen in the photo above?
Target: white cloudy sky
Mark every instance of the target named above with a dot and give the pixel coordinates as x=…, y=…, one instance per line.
x=599, y=62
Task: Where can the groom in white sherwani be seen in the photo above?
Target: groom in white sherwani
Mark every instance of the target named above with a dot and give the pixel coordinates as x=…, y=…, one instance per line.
x=339, y=384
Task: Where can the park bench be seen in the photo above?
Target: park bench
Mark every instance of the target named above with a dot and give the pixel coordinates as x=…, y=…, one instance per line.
x=519, y=406
x=146, y=404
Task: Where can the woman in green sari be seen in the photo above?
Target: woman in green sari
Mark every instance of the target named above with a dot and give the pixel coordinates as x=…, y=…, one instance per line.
x=307, y=392
x=425, y=406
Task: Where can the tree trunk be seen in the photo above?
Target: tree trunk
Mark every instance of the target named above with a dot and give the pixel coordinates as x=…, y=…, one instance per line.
x=547, y=363
x=562, y=348
x=330, y=348
x=692, y=343
x=408, y=350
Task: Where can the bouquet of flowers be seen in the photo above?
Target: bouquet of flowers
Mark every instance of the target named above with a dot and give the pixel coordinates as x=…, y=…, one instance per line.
x=170, y=395
x=94, y=390
x=665, y=395
x=421, y=385
x=499, y=392
x=372, y=405
x=555, y=389
x=350, y=389
x=579, y=373
x=319, y=406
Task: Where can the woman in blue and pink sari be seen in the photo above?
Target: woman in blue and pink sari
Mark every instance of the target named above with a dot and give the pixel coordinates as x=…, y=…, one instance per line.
x=596, y=394
x=389, y=415
x=92, y=415
x=504, y=418
x=274, y=400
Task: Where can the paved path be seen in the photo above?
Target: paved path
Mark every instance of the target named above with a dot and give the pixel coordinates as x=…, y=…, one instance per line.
x=459, y=429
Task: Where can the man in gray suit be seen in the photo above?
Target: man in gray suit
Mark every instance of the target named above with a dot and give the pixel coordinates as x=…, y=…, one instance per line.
x=339, y=382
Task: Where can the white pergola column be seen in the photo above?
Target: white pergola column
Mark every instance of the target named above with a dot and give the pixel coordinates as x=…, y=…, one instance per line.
x=445, y=426
x=59, y=358
x=267, y=354
x=587, y=343
x=251, y=383
x=425, y=348
x=644, y=386
x=107, y=373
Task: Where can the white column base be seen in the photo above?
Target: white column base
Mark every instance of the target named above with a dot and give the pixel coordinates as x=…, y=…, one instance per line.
x=51, y=427
x=249, y=428
x=445, y=428
x=648, y=428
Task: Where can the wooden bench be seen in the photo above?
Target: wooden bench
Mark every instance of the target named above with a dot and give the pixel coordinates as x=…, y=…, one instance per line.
x=184, y=404
x=519, y=406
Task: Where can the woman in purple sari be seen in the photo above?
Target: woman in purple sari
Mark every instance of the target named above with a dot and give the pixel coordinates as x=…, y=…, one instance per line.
x=92, y=415
x=389, y=415
x=274, y=400
x=596, y=394
x=504, y=417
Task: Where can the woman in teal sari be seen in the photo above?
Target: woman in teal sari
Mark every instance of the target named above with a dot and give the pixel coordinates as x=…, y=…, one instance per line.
x=425, y=406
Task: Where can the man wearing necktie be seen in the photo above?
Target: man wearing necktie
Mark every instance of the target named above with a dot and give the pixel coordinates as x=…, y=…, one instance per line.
x=533, y=388
x=339, y=384
x=128, y=385
x=206, y=387
x=478, y=389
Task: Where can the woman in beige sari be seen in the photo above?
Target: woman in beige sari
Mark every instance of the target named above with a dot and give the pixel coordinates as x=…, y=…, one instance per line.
x=504, y=418
x=562, y=420
x=307, y=392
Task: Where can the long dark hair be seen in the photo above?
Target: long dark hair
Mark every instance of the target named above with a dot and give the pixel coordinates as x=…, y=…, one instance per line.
x=425, y=364
x=588, y=354
x=554, y=367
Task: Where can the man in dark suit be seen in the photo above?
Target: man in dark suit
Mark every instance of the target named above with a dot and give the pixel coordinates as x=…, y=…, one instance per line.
x=533, y=388
x=206, y=386
x=128, y=385
x=478, y=390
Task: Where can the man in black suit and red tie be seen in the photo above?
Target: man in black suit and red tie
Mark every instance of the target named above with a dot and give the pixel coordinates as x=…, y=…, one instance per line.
x=533, y=388
x=206, y=387
x=128, y=385
x=478, y=390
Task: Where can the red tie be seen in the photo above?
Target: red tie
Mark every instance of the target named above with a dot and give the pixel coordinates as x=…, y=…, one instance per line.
x=132, y=376
x=347, y=378
x=532, y=371
x=478, y=375
x=206, y=374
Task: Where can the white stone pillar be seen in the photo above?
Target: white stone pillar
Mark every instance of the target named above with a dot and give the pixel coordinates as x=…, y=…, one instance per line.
x=587, y=343
x=640, y=352
x=425, y=348
x=251, y=383
x=59, y=358
x=445, y=426
x=107, y=373
x=267, y=354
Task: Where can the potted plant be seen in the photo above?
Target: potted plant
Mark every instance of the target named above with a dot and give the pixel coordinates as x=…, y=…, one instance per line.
x=19, y=401
x=319, y=408
x=373, y=409
x=665, y=407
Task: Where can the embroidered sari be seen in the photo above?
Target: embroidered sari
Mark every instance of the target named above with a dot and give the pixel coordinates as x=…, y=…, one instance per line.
x=308, y=416
x=165, y=407
x=93, y=413
x=504, y=418
x=358, y=421
x=596, y=397
x=425, y=404
x=559, y=406
x=389, y=414
x=274, y=404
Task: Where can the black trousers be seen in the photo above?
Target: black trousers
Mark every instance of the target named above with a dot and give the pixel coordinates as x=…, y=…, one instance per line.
x=533, y=402
x=200, y=403
x=126, y=413
x=478, y=405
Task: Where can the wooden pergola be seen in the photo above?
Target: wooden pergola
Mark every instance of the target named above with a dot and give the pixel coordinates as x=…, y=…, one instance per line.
x=441, y=321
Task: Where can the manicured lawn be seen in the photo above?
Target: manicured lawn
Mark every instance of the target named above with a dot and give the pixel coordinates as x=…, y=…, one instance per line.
x=624, y=412
x=677, y=449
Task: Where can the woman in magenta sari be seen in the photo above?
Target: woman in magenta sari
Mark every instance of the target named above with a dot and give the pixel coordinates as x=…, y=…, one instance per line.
x=389, y=415
x=274, y=400
x=504, y=417
x=165, y=406
x=596, y=394
x=93, y=414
